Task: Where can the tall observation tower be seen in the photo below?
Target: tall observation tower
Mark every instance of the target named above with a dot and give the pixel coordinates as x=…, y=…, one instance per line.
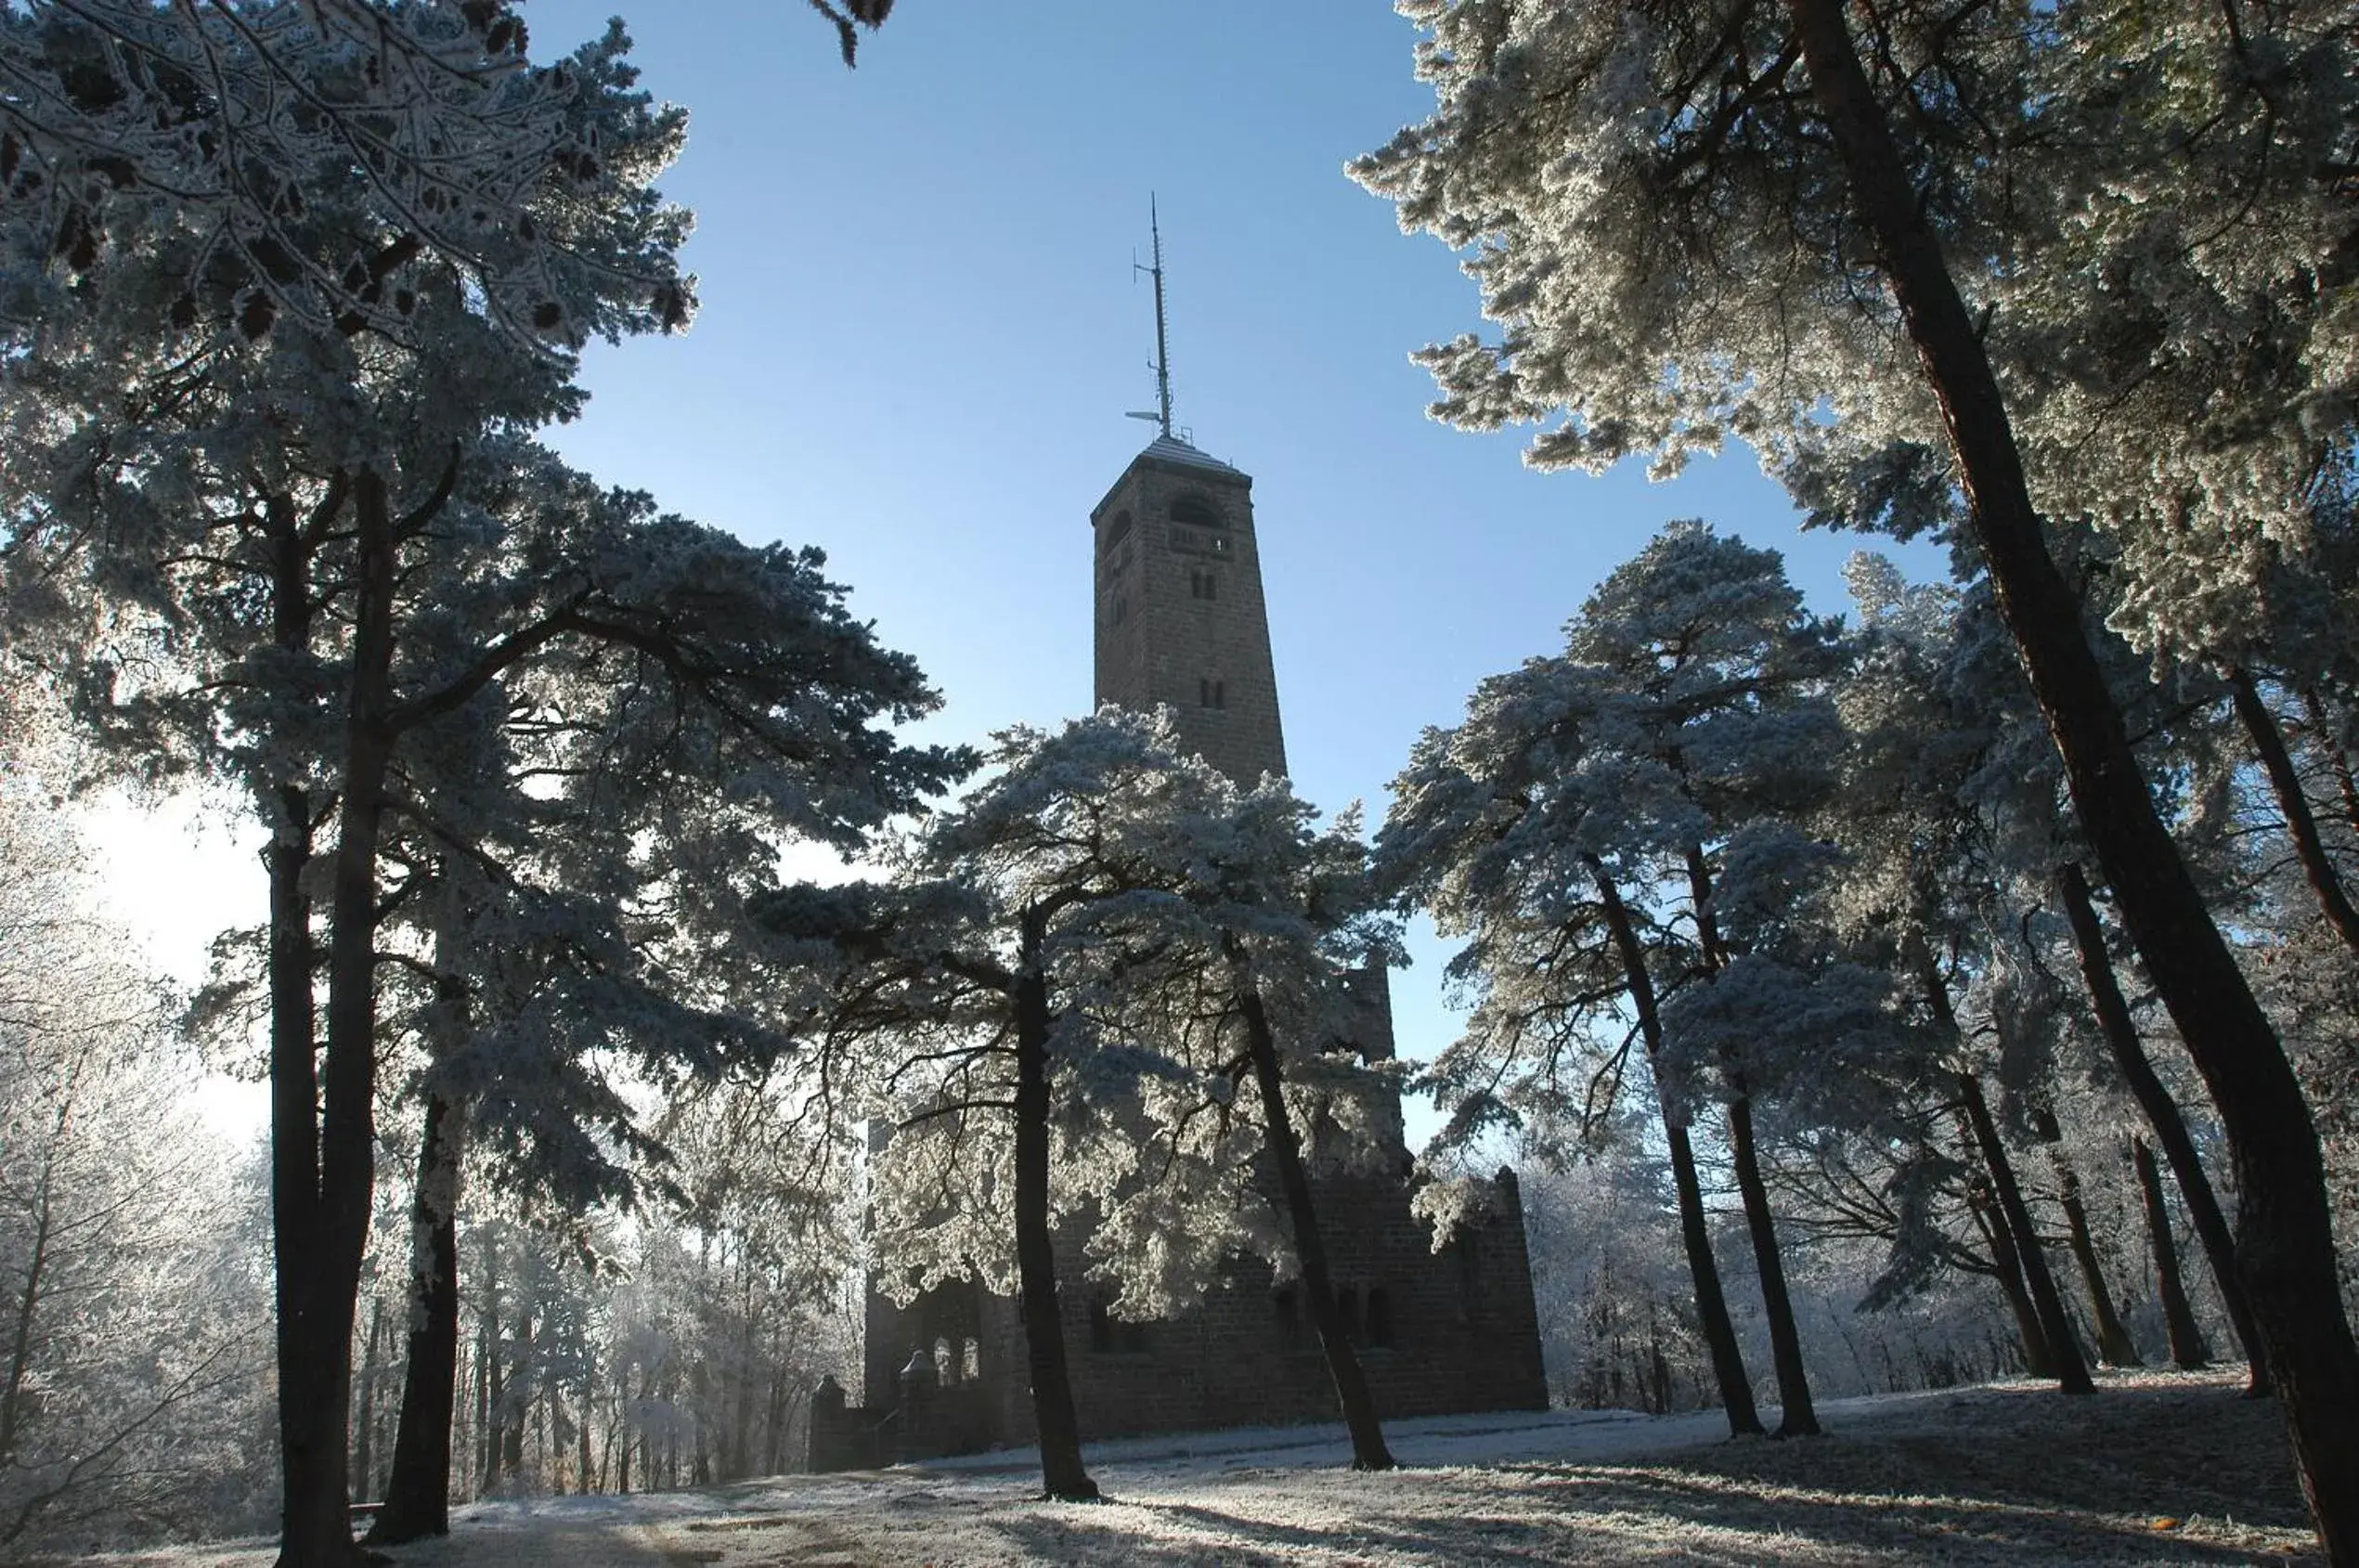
x=1180, y=616
x=1177, y=592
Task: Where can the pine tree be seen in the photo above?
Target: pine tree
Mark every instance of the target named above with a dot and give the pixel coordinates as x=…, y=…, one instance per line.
x=1697, y=220
x=287, y=543
x=1527, y=831
x=1055, y=1004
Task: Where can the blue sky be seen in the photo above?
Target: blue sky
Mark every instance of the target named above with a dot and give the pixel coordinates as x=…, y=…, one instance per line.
x=920, y=333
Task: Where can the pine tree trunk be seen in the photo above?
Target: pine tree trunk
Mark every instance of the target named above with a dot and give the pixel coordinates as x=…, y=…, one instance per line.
x=491, y=1391
x=581, y=1438
x=1711, y=1307
x=737, y=1456
x=2115, y=1348
x=1062, y=1474
x=2338, y=760
x=417, y=1496
x=521, y=1377
x=606, y=1456
x=1368, y=1451
x=2162, y=1114
x=2063, y=1346
x=364, y=1426
x=2070, y=1370
x=649, y=1478
x=2039, y=1361
x=477, y=1482
x=622, y=1425
x=775, y=1426
x=324, y=1171
x=294, y=1086
x=1797, y=1416
x=2286, y=1249
x=2301, y=824
x=700, y=1469
x=29, y=1302
x=2189, y=1352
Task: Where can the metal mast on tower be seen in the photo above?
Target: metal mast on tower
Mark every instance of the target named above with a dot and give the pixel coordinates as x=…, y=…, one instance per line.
x=1162, y=365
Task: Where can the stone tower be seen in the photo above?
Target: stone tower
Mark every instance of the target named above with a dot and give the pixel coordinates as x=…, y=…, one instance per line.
x=1180, y=617
x=1181, y=624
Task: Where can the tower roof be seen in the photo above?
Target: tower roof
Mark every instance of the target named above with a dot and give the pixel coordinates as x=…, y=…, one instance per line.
x=1169, y=452
x=1171, y=448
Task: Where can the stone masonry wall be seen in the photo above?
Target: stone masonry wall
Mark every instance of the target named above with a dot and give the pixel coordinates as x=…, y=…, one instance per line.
x=1461, y=1331
x=1439, y=1333
x=1180, y=615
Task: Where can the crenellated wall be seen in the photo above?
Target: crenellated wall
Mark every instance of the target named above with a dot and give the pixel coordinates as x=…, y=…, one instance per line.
x=1439, y=1333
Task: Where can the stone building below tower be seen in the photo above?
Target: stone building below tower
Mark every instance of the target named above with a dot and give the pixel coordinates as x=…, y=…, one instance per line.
x=1181, y=623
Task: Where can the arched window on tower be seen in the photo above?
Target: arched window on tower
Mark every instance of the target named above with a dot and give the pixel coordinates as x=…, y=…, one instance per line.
x=1116, y=532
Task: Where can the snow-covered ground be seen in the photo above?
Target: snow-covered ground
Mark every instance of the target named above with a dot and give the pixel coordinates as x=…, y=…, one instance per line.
x=2158, y=1468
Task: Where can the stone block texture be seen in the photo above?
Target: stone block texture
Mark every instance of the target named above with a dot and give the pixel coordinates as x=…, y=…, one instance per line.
x=1438, y=1333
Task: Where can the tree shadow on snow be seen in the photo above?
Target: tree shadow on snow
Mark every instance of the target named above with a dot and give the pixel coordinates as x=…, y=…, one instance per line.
x=2136, y=1476
x=1194, y=1534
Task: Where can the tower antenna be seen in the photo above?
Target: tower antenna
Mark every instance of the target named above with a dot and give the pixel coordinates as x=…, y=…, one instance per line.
x=1162, y=366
